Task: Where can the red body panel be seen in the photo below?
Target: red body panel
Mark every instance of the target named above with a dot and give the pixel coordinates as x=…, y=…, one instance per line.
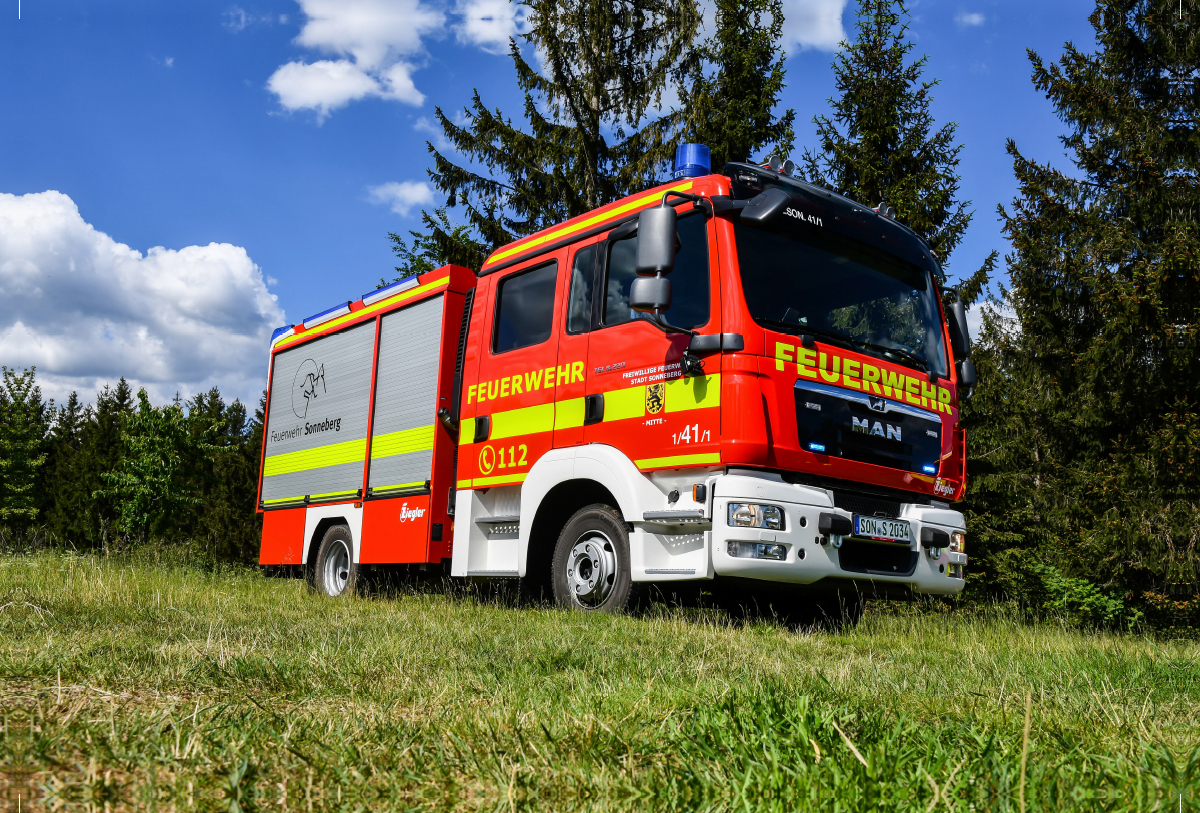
x=397, y=530
x=282, y=537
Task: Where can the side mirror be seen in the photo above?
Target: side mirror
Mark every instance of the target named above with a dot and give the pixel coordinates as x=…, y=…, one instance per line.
x=656, y=241
x=967, y=376
x=766, y=206
x=650, y=294
x=960, y=338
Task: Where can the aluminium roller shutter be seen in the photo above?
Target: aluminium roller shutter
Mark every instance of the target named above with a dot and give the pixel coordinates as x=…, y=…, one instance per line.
x=406, y=397
x=317, y=426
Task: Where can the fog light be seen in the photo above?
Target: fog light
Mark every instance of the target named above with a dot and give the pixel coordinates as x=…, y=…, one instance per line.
x=958, y=542
x=954, y=571
x=756, y=550
x=748, y=515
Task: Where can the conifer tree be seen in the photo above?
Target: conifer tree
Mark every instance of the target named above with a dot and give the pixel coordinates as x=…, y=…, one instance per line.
x=23, y=429
x=604, y=67
x=1098, y=415
x=731, y=83
x=880, y=144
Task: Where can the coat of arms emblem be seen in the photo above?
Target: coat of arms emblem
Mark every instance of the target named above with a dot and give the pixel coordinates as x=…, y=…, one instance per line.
x=656, y=396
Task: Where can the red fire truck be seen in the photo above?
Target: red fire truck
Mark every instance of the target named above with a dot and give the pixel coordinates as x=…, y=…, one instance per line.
x=734, y=376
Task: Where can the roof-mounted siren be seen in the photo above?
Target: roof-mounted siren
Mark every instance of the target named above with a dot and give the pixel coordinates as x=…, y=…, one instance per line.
x=777, y=164
x=692, y=161
x=885, y=210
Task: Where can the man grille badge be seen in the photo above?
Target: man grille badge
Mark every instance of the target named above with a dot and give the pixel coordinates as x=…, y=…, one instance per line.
x=876, y=403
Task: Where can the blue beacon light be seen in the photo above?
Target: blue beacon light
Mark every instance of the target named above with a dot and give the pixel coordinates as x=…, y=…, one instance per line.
x=692, y=161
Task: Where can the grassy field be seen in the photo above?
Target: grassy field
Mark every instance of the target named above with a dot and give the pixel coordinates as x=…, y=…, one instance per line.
x=128, y=686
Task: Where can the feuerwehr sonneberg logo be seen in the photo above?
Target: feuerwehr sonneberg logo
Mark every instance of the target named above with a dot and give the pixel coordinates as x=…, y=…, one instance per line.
x=308, y=384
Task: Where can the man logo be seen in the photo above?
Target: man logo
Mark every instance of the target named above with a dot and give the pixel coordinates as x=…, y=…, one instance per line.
x=865, y=426
x=656, y=396
x=307, y=385
x=876, y=403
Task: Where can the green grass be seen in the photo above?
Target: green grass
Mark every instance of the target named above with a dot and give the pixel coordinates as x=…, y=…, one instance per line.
x=131, y=686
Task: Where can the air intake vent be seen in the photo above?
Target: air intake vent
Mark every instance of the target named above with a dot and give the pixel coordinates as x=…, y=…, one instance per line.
x=868, y=506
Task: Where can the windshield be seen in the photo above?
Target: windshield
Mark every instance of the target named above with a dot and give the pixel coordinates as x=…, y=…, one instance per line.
x=841, y=291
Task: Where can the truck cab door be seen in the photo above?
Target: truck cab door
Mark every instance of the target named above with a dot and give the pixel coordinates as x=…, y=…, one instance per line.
x=637, y=398
x=513, y=396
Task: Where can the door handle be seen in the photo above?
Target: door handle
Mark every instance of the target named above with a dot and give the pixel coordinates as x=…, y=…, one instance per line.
x=593, y=409
x=483, y=427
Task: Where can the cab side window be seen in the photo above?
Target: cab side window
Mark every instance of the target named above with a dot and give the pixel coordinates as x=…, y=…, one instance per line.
x=524, y=308
x=579, y=311
x=689, y=281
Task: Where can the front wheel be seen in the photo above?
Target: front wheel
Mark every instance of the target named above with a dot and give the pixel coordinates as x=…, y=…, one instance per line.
x=591, y=562
x=335, y=572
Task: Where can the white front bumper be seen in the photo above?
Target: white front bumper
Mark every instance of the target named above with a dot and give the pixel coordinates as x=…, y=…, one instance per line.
x=807, y=560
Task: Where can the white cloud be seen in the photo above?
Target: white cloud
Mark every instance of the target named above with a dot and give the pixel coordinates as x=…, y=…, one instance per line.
x=377, y=42
x=813, y=24
x=402, y=196
x=87, y=310
x=969, y=19
x=237, y=19
x=424, y=125
x=489, y=24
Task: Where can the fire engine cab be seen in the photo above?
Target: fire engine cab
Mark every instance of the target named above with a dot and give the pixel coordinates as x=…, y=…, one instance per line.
x=734, y=376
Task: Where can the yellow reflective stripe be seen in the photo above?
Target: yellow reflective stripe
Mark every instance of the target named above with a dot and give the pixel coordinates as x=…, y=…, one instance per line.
x=464, y=484
x=284, y=499
x=679, y=461
x=380, y=305
x=568, y=414
x=466, y=431
x=333, y=454
x=333, y=494
x=627, y=403
x=693, y=393
x=505, y=479
x=404, y=441
x=524, y=421
x=558, y=234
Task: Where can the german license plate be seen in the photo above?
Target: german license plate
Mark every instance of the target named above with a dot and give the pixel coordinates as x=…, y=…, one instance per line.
x=893, y=530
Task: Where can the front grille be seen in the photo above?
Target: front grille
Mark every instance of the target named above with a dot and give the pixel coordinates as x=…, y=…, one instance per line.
x=869, y=506
x=877, y=559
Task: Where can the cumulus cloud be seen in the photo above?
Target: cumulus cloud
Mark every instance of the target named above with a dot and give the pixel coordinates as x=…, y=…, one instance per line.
x=401, y=196
x=489, y=24
x=969, y=19
x=87, y=310
x=376, y=43
x=812, y=24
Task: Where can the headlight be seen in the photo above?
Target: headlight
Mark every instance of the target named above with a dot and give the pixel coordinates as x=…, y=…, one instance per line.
x=748, y=515
x=958, y=542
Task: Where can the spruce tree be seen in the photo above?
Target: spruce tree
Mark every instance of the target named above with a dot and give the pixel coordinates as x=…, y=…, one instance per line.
x=1098, y=415
x=880, y=144
x=23, y=430
x=731, y=84
x=583, y=143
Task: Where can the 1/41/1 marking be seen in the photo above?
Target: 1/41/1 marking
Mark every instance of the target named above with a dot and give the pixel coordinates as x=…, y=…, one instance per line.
x=691, y=434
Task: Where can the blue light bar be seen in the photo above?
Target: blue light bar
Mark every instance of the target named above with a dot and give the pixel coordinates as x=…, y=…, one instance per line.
x=692, y=161
x=816, y=447
x=281, y=333
x=371, y=297
x=324, y=316
x=929, y=469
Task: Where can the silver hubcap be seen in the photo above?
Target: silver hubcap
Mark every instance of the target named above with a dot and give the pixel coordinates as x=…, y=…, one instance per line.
x=337, y=569
x=592, y=569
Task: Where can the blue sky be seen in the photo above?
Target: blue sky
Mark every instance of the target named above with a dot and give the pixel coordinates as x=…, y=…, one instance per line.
x=263, y=127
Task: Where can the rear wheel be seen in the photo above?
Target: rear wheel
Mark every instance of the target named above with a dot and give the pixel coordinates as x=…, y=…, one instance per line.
x=591, y=562
x=335, y=573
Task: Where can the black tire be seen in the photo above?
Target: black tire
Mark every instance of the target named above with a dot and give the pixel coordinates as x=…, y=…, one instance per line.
x=590, y=569
x=335, y=573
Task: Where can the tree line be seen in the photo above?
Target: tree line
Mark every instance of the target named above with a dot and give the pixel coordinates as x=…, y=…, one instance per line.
x=1083, y=434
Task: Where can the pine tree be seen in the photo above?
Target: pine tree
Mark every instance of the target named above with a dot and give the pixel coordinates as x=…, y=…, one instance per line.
x=731, y=84
x=605, y=65
x=880, y=144
x=23, y=430
x=82, y=518
x=426, y=254
x=1099, y=418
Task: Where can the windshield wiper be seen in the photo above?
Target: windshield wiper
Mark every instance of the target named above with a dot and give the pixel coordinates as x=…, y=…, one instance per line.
x=847, y=340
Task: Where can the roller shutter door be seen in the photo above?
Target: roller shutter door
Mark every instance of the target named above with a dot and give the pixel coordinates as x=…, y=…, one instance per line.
x=317, y=426
x=406, y=397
